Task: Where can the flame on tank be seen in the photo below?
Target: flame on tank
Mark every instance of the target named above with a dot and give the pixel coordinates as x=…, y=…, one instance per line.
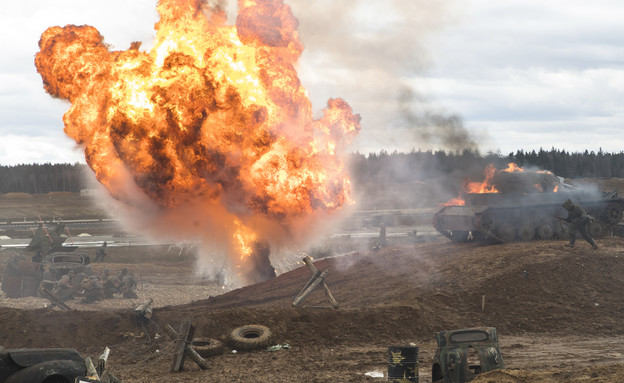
x=488, y=185
x=211, y=125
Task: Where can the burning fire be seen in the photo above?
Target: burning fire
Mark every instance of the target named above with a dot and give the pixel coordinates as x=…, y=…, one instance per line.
x=212, y=124
x=487, y=185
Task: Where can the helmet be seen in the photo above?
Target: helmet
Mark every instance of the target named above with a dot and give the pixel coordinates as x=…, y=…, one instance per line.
x=568, y=204
x=71, y=273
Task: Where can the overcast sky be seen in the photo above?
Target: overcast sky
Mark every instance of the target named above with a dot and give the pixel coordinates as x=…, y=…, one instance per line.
x=423, y=74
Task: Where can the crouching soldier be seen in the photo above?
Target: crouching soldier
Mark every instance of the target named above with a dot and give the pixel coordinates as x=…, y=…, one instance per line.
x=65, y=287
x=93, y=289
x=128, y=285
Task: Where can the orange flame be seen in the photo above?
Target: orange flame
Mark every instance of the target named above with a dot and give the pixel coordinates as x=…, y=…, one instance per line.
x=212, y=118
x=486, y=185
x=512, y=168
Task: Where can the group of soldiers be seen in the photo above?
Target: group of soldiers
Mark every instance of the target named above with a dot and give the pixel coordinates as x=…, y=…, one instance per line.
x=95, y=287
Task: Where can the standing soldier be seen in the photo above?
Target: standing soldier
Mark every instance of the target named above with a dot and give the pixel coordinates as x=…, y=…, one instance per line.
x=100, y=253
x=578, y=222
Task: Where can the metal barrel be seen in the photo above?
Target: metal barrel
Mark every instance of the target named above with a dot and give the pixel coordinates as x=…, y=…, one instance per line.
x=403, y=364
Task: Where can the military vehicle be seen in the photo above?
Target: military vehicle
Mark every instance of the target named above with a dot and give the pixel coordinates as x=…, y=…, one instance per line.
x=54, y=365
x=463, y=354
x=524, y=206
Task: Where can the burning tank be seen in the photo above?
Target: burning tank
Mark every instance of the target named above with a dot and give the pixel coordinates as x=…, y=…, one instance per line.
x=523, y=205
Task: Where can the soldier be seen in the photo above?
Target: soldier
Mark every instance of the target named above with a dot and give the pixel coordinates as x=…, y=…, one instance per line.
x=111, y=285
x=47, y=278
x=93, y=289
x=65, y=287
x=578, y=220
x=128, y=285
x=101, y=253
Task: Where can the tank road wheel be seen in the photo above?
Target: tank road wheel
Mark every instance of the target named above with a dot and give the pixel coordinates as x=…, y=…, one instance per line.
x=562, y=231
x=613, y=213
x=526, y=232
x=506, y=232
x=545, y=230
x=597, y=229
x=487, y=222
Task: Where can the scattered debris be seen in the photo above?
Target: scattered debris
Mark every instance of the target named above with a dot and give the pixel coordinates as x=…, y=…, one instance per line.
x=278, y=347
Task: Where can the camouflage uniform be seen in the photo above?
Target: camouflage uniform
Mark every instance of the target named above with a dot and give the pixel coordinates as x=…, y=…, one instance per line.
x=578, y=222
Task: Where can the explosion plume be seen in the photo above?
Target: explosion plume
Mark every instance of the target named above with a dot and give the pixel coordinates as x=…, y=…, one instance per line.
x=211, y=127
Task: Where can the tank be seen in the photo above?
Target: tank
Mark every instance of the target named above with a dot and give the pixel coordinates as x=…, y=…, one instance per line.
x=524, y=206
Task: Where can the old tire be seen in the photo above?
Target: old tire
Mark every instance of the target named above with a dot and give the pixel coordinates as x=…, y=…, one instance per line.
x=250, y=337
x=207, y=346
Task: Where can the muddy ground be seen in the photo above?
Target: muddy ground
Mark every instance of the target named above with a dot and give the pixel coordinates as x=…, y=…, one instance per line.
x=558, y=313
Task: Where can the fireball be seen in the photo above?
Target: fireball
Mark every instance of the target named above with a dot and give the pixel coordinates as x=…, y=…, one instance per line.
x=212, y=126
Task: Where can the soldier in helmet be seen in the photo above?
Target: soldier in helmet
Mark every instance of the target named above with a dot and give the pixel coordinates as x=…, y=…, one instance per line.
x=93, y=289
x=578, y=220
x=65, y=287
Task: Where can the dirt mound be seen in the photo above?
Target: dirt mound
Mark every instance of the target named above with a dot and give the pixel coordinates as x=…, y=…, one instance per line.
x=542, y=297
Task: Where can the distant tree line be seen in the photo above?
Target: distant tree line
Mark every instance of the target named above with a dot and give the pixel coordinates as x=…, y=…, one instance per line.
x=42, y=178
x=420, y=166
x=374, y=168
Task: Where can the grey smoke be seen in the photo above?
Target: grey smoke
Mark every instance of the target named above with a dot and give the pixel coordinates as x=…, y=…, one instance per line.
x=434, y=126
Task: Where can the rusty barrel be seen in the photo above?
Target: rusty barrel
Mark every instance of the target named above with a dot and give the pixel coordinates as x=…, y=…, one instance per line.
x=403, y=364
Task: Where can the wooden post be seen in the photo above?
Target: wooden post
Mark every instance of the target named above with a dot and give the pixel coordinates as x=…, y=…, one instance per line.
x=181, y=340
x=317, y=281
x=187, y=349
x=144, y=310
x=56, y=301
x=91, y=372
x=316, y=275
x=308, y=261
x=101, y=363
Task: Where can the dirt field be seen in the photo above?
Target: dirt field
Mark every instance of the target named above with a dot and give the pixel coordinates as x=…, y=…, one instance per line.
x=558, y=313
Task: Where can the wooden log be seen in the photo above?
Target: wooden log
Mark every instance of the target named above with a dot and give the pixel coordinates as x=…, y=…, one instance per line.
x=178, y=354
x=101, y=363
x=316, y=275
x=144, y=310
x=91, y=372
x=308, y=261
x=201, y=362
x=310, y=288
x=56, y=301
